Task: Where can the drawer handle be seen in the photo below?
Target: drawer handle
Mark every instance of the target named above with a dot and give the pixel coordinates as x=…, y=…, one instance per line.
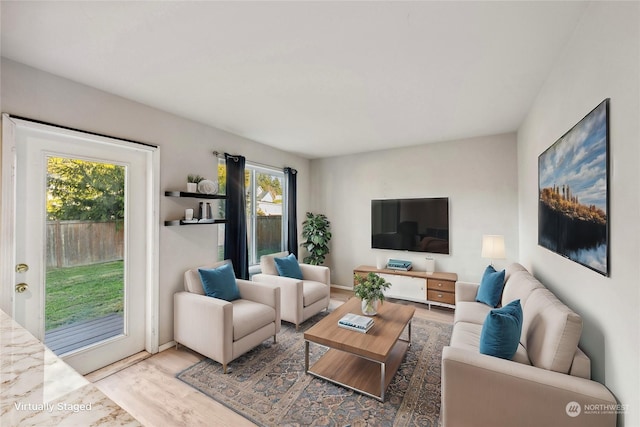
x=440, y=284
x=439, y=295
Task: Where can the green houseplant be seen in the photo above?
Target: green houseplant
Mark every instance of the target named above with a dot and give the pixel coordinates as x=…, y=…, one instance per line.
x=370, y=290
x=315, y=231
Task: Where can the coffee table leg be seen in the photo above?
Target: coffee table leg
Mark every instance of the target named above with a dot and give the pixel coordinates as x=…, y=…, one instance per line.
x=306, y=356
x=382, y=377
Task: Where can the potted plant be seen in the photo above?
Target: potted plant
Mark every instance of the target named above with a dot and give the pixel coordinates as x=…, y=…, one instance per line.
x=192, y=183
x=315, y=229
x=370, y=289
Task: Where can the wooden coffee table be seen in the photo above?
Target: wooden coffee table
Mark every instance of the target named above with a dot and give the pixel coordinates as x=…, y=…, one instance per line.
x=367, y=362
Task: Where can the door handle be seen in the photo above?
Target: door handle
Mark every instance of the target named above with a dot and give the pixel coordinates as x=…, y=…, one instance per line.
x=21, y=287
x=22, y=268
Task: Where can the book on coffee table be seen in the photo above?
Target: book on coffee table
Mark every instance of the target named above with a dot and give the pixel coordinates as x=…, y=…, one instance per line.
x=355, y=322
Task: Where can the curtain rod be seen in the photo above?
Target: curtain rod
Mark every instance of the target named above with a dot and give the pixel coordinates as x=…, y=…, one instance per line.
x=88, y=132
x=220, y=155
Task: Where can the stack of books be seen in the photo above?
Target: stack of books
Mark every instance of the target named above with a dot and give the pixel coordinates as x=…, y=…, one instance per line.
x=356, y=322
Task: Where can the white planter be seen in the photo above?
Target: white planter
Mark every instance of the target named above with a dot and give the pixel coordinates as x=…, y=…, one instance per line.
x=192, y=187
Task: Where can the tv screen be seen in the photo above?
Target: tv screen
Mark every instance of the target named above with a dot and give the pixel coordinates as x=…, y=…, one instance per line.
x=418, y=225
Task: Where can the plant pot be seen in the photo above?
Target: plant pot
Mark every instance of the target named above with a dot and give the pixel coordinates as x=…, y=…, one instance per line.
x=192, y=187
x=370, y=308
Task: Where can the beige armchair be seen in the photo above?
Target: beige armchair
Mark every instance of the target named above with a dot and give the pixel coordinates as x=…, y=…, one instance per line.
x=223, y=330
x=300, y=299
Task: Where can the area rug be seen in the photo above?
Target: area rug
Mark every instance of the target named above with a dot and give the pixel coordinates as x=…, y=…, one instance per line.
x=268, y=385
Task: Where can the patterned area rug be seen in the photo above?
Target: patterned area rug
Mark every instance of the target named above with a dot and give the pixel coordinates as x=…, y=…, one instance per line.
x=268, y=385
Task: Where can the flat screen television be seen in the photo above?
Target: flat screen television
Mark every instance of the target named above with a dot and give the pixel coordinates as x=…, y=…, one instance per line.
x=418, y=225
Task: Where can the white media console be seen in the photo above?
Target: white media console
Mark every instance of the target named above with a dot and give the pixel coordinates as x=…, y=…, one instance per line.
x=419, y=286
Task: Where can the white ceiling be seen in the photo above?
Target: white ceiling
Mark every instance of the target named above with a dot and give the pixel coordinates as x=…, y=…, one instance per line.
x=315, y=78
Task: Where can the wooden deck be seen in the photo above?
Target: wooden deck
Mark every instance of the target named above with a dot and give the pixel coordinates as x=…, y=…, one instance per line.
x=67, y=338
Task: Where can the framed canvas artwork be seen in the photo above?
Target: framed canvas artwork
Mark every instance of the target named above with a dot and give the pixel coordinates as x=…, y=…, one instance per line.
x=573, y=190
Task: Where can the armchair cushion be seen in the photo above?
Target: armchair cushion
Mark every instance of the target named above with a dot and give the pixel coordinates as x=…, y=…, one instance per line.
x=313, y=292
x=288, y=267
x=220, y=282
x=249, y=316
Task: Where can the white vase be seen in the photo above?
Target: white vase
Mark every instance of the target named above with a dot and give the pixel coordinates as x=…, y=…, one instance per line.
x=192, y=187
x=370, y=308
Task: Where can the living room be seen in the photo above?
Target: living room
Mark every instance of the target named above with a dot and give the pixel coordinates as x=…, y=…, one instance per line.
x=491, y=180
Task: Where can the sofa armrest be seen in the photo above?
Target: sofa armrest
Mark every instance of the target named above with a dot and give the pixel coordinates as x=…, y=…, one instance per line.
x=317, y=273
x=483, y=390
x=191, y=312
x=466, y=291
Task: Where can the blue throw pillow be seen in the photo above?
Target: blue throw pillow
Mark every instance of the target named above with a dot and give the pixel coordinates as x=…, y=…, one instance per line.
x=220, y=282
x=288, y=267
x=491, y=287
x=501, y=331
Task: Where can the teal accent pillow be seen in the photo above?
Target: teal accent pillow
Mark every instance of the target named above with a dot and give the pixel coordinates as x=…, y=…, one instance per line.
x=491, y=287
x=288, y=267
x=220, y=282
x=501, y=331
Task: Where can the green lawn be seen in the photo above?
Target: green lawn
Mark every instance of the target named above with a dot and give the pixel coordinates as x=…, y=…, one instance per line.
x=75, y=294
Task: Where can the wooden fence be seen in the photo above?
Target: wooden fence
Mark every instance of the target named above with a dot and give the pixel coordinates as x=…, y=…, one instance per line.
x=72, y=243
x=269, y=234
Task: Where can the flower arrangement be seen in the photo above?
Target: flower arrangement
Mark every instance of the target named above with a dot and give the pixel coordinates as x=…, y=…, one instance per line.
x=370, y=289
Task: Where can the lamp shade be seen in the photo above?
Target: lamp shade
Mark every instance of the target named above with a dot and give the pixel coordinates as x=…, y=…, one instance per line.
x=493, y=246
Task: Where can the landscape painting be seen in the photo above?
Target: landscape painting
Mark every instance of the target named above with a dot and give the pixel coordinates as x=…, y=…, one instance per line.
x=573, y=188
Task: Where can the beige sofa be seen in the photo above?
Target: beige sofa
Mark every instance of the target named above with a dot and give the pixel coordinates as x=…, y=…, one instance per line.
x=300, y=299
x=546, y=384
x=223, y=330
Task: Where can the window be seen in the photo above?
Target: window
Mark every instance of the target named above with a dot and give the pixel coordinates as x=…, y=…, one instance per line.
x=266, y=216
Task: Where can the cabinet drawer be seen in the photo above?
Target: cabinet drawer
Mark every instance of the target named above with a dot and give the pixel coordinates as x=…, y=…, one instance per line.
x=438, y=296
x=441, y=285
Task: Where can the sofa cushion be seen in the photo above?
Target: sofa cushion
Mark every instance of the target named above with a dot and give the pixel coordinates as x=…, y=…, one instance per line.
x=550, y=331
x=471, y=312
x=491, y=287
x=519, y=286
x=288, y=267
x=312, y=292
x=501, y=330
x=249, y=316
x=220, y=282
x=268, y=265
x=466, y=336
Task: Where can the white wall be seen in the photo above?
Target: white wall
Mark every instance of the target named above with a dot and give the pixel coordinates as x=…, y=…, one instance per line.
x=186, y=147
x=601, y=61
x=478, y=176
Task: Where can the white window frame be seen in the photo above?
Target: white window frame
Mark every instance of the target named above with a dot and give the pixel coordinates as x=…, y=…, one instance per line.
x=252, y=219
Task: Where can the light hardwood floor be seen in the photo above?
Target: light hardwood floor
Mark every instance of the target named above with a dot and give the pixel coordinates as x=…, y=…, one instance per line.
x=149, y=390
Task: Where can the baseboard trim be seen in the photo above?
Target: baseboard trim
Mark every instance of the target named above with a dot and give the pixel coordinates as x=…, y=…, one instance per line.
x=166, y=346
x=346, y=288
